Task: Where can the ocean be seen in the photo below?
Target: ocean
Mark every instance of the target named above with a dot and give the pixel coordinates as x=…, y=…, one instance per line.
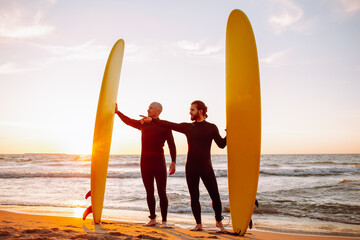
x=316, y=194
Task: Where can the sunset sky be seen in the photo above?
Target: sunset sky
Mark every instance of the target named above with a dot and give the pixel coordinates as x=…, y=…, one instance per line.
x=53, y=54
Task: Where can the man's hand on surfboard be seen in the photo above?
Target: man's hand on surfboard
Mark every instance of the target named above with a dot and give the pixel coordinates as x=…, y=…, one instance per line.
x=172, y=168
x=145, y=119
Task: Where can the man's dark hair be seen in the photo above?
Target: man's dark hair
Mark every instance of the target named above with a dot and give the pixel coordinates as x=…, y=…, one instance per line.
x=200, y=106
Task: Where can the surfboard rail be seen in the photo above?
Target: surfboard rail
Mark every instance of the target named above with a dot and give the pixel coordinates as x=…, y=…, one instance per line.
x=103, y=130
x=243, y=119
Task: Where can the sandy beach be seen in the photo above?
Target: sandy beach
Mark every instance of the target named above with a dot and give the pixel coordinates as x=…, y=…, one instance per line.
x=29, y=226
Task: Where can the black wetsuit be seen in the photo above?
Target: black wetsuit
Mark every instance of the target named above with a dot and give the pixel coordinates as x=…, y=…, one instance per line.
x=198, y=165
x=152, y=162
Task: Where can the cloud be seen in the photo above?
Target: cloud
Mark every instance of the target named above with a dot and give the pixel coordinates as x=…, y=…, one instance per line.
x=286, y=58
x=350, y=6
x=22, y=24
x=288, y=16
x=92, y=51
x=190, y=46
x=199, y=48
x=12, y=68
x=88, y=51
x=8, y=68
x=153, y=53
x=137, y=53
x=277, y=58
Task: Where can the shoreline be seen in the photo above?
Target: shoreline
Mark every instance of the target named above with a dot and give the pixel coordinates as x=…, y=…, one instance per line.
x=179, y=222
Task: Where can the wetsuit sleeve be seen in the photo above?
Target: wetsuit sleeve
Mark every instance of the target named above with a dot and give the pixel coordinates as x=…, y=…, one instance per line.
x=171, y=144
x=221, y=142
x=128, y=121
x=179, y=127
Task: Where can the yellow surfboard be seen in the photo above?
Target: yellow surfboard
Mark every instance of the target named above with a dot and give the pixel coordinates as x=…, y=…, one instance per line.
x=103, y=130
x=243, y=119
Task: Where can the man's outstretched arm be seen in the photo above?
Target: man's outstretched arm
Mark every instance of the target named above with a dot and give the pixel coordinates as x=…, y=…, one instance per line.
x=179, y=127
x=128, y=121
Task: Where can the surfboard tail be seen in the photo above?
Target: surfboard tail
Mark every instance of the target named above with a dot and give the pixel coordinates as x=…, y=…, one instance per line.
x=87, y=212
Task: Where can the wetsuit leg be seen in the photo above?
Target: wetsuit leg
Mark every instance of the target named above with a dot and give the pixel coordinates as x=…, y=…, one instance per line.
x=148, y=176
x=193, y=180
x=210, y=183
x=161, y=178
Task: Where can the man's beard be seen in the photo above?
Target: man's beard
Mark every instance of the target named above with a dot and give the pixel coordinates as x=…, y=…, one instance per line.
x=195, y=117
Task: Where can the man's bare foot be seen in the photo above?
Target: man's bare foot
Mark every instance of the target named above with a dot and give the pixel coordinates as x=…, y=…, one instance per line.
x=198, y=227
x=220, y=226
x=165, y=225
x=152, y=222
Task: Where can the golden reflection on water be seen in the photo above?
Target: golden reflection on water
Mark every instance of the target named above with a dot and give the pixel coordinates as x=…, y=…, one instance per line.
x=83, y=157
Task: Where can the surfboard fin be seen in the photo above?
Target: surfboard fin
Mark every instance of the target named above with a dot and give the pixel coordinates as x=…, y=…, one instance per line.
x=87, y=212
x=88, y=195
x=251, y=222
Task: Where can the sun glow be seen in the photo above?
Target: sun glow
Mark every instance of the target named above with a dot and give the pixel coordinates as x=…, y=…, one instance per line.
x=78, y=212
x=77, y=146
x=79, y=150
